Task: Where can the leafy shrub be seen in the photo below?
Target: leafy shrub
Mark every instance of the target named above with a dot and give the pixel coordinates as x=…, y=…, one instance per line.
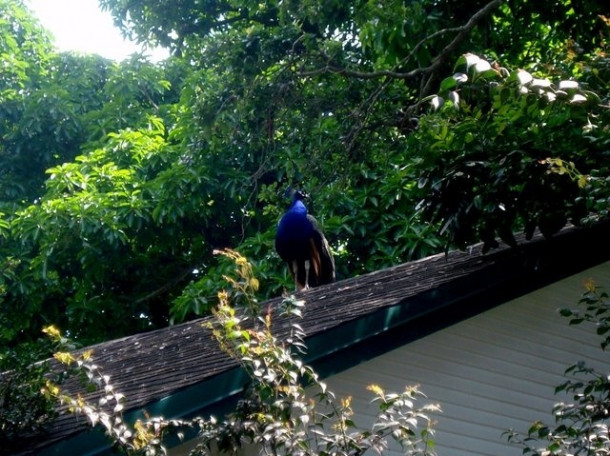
x=23, y=409
x=582, y=424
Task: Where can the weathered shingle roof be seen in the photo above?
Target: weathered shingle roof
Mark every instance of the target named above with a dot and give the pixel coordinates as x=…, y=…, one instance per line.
x=165, y=370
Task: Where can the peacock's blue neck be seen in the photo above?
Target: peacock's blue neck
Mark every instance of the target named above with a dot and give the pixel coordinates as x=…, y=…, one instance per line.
x=298, y=207
x=295, y=224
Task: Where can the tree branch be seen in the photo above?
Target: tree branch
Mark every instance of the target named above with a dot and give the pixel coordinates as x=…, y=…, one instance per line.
x=438, y=61
x=167, y=286
x=461, y=36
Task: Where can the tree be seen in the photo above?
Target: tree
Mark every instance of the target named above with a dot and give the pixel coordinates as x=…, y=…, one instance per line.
x=118, y=181
x=290, y=52
x=58, y=108
x=24, y=54
x=167, y=163
x=24, y=411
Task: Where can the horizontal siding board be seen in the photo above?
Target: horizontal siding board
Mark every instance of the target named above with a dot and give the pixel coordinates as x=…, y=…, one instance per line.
x=490, y=373
x=535, y=368
x=496, y=371
x=542, y=333
x=464, y=390
x=441, y=371
x=457, y=444
x=470, y=390
x=529, y=356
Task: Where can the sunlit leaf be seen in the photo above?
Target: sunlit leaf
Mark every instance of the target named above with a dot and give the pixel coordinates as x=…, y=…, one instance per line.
x=482, y=66
x=437, y=102
x=578, y=98
x=568, y=85
x=524, y=77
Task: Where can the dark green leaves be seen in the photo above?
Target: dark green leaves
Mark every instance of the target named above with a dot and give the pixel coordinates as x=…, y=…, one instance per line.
x=506, y=151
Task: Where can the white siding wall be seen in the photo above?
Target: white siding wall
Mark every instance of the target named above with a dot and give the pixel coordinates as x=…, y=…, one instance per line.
x=492, y=372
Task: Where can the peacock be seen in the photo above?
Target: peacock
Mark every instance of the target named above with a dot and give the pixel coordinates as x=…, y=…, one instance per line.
x=299, y=241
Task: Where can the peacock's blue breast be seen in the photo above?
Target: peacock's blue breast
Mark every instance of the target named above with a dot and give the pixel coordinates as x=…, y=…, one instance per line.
x=294, y=225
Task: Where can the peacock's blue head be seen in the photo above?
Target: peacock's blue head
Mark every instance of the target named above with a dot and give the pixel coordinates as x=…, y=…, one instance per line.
x=297, y=197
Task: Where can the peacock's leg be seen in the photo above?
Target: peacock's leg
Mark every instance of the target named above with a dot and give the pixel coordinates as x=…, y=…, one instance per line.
x=307, y=265
x=295, y=272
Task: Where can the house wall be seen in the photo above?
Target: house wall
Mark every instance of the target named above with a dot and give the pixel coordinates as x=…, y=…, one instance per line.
x=490, y=373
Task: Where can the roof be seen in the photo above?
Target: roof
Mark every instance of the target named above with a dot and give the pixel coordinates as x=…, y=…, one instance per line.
x=345, y=323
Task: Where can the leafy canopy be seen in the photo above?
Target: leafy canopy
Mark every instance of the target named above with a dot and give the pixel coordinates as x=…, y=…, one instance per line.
x=119, y=180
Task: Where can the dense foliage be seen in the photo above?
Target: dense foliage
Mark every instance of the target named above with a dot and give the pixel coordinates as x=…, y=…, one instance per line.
x=119, y=180
x=519, y=151
x=23, y=409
